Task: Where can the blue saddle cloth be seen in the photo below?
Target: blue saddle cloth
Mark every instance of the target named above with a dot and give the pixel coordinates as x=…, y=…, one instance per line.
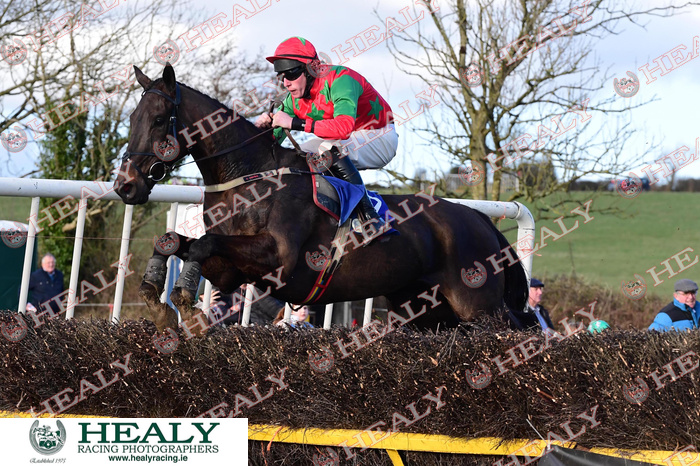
x=349, y=196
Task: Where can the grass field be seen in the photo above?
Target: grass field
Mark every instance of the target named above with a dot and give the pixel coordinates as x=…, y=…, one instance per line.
x=606, y=251
x=611, y=248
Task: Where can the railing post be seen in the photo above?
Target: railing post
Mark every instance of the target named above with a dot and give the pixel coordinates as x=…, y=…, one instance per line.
x=28, y=254
x=328, y=317
x=75, y=265
x=206, y=299
x=121, y=271
x=247, y=305
x=368, y=311
x=172, y=221
x=526, y=239
x=287, y=312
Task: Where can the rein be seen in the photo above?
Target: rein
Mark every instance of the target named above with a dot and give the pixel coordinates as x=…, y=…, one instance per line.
x=173, y=121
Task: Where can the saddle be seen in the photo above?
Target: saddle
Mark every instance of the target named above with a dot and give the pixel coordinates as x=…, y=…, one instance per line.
x=338, y=198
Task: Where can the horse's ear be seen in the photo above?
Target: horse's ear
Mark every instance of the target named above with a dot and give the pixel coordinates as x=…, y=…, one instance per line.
x=169, y=77
x=142, y=78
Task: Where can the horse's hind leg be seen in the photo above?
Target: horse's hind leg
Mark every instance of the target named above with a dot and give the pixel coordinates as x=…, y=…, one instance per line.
x=154, y=279
x=440, y=315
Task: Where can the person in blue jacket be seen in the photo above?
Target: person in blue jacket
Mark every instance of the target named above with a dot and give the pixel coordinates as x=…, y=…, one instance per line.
x=46, y=283
x=683, y=312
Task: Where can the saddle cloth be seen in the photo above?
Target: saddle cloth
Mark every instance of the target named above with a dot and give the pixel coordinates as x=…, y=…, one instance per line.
x=338, y=198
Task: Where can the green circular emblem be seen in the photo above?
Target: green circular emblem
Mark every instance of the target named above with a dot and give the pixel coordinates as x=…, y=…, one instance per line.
x=45, y=439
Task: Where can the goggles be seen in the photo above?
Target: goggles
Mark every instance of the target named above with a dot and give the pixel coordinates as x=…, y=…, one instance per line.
x=293, y=74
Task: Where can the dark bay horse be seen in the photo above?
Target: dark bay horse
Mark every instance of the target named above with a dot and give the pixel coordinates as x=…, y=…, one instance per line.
x=268, y=229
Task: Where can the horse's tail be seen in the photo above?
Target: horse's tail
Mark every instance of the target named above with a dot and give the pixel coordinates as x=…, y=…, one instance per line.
x=516, y=287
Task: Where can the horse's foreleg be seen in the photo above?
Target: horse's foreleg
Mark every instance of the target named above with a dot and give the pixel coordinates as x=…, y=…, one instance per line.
x=153, y=282
x=184, y=292
x=252, y=255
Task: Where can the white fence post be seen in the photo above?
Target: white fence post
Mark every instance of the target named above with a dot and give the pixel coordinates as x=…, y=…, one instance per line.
x=75, y=264
x=169, y=264
x=121, y=271
x=247, y=305
x=369, y=302
x=328, y=317
x=28, y=254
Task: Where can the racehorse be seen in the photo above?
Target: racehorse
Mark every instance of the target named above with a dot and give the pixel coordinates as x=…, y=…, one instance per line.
x=263, y=228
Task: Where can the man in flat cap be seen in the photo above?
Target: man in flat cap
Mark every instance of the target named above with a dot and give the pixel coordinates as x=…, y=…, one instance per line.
x=534, y=317
x=683, y=312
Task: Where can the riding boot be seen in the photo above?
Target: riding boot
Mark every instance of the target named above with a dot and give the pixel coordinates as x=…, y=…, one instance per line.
x=344, y=169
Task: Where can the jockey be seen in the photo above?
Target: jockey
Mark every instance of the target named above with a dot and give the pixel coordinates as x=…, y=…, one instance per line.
x=354, y=124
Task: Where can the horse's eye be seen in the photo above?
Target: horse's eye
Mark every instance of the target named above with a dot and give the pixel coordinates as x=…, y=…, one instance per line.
x=159, y=121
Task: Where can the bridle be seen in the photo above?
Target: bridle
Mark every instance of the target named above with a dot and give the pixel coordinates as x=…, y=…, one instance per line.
x=172, y=125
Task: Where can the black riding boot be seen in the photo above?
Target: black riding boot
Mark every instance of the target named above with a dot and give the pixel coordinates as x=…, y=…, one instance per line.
x=344, y=169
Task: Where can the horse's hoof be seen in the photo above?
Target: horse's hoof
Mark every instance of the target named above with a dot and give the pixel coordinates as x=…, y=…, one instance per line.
x=183, y=300
x=149, y=293
x=164, y=316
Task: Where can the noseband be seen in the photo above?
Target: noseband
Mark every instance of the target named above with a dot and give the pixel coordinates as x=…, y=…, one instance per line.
x=172, y=126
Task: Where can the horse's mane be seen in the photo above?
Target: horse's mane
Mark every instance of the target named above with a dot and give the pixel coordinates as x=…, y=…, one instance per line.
x=229, y=111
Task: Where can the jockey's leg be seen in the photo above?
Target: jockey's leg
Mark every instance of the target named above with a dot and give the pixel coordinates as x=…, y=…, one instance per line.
x=344, y=169
x=364, y=149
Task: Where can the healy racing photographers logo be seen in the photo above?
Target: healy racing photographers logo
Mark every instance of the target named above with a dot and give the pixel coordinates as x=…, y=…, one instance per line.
x=474, y=277
x=319, y=163
x=321, y=67
x=636, y=289
x=46, y=440
x=167, y=150
x=14, y=139
x=14, y=238
x=15, y=53
x=167, y=52
x=629, y=187
x=636, y=393
x=322, y=361
x=627, y=87
x=166, y=342
x=472, y=175
x=330, y=458
x=167, y=244
x=14, y=332
x=317, y=260
x=472, y=75
x=479, y=379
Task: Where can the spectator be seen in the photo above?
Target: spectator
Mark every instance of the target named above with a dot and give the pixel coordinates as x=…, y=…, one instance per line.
x=297, y=319
x=46, y=283
x=682, y=313
x=534, y=316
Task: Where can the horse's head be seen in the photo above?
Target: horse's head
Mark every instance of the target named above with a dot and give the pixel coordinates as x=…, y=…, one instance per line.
x=153, y=146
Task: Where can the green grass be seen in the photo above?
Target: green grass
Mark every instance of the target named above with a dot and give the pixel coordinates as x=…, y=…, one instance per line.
x=15, y=208
x=612, y=248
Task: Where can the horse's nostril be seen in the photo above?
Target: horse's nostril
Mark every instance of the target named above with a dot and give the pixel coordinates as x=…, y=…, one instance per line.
x=125, y=188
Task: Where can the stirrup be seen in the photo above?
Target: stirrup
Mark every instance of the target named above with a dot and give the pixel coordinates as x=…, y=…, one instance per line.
x=356, y=225
x=362, y=228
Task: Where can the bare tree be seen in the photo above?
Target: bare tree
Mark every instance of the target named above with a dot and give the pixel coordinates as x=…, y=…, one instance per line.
x=518, y=84
x=68, y=81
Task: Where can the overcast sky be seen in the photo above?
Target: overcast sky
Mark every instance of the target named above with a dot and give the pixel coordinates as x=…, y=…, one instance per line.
x=671, y=119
